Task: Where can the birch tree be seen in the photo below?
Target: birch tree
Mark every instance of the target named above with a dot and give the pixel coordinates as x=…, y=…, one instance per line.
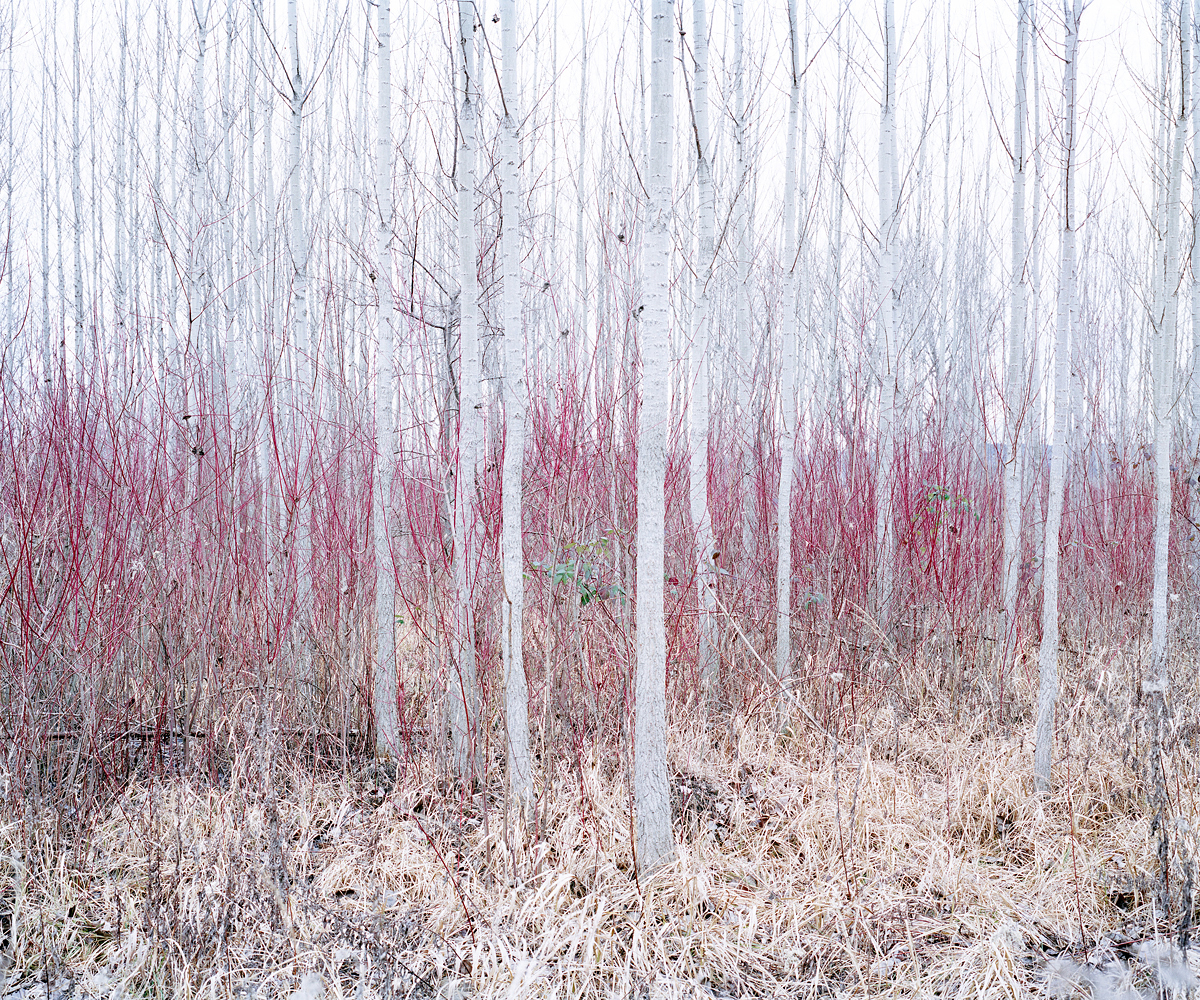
x=196, y=214
x=837, y=194
x=77, y=199
x=745, y=349
x=944, y=337
x=516, y=692
x=887, y=348
x=1194, y=494
x=655, y=842
x=119, y=186
x=301, y=356
x=706, y=570
x=464, y=697
x=1164, y=323
x=297, y=235
x=1048, y=654
x=1014, y=389
x=580, y=334
x=387, y=723
x=787, y=377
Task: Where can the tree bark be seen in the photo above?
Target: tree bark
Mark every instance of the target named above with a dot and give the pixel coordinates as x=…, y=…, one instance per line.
x=1015, y=381
x=303, y=369
x=1048, y=655
x=1165, y=321
x=708, y=660
x=1194, y=485
x=77, y=200
x=787, y=380
x=655, y=843
x=387, y=722
x=888, y=347
x=516, y=691
x=745, y=348
x=463, y=699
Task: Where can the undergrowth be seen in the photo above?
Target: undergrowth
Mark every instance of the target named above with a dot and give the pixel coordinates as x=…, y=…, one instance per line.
x=903, y=854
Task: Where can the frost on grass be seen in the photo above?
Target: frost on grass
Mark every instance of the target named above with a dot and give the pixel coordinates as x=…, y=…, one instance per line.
x=1160, y=968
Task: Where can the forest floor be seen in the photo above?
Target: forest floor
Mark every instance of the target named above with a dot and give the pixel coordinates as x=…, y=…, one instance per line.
x=908, y=858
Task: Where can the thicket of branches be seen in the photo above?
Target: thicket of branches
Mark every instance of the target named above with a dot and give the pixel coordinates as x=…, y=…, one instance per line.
x=190, y=429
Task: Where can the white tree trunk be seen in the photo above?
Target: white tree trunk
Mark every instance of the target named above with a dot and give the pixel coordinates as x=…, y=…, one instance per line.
x=119, y=289
x=302, y=368
x=139, y=348
x=463, y=699
x=49, y=336
x=837, y=191
x=1014, y=389
x=578, y=338
x=655, y=843
x=299, y=239
x=1194, y=491
x=516, y=691
x=387, y=722
x=941, y=370
x=888, y=352
x=1165, y=322
x=806, y=345
x=157, y=348
x=787, y=378
x=745, y=349
x=1048, y=655
x=228, y=368
x=263, y=400
x=196, y=215
x=706, y=571
x=77, y=201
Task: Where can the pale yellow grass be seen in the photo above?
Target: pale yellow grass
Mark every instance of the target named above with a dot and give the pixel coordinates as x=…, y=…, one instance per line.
x=908, y=859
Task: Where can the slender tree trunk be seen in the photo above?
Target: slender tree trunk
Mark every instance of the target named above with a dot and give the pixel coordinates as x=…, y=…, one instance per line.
x=706, y=570
x=196, y=215
x=942, y=367
x=77, y=200
x=1014, y=391
x=31, y=347
x=177, y=383
x=745, y=349
x=1048, y=656
x=1033, y=319
x=261, y=310
x=1194, y=490
x=158, y=345
x=807, y=346
x=303, y=369
x=119, y=289
x=387, y=722
x=516, y=691
x=837, y=192
x=227, y=368
x=1165, y=328
x=579, y=336
x=138, y=349
x=299, y=239
x=655, y=843
x=464, y=698
x=101, y=362
x=787, y=378
x=49, y=334
x=888, y=347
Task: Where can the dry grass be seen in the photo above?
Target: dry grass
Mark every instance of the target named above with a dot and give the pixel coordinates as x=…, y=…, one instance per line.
x=908, y=859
